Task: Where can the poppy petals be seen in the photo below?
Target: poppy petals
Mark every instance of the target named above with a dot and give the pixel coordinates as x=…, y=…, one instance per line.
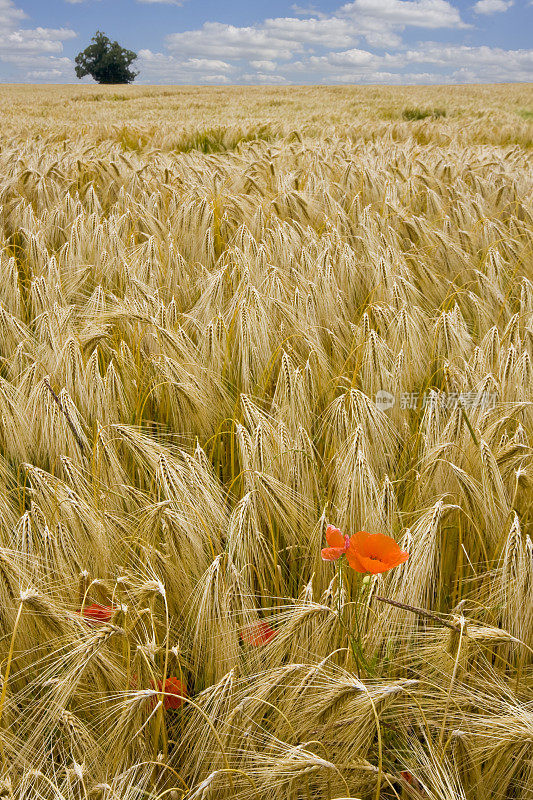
x=258, y=634
x=174, y=692
x=365, y=552
x=334, y=537
x=338, y=544
x=374, y=553
x=97, y=613
x=332, y=553
x=353, y=559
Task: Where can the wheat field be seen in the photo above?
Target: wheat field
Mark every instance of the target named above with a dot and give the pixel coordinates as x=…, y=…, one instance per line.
x=203, y=292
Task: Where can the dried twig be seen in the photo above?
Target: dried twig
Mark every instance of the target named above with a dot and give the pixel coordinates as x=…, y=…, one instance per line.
x=421, y=611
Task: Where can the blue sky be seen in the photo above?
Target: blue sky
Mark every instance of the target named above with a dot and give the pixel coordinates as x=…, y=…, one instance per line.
x=276, y=42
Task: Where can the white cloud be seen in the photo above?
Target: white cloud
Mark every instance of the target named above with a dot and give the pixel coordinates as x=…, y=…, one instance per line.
x=472, y=64
x=259, y=77
x=26, y=41
x=9, y=14
x=332, y=32
x=32, y=53
x=359, y=43
x=307, y=11
x=399, y=13
x=351, y=58
x=445, y=63
x=164, y=68
x=45, y=73
x=207, y=63
x=216, y=39
x=383, y=38
x=35, y=68
x=492, y=6
x=369, y=77
x=281, y=38
x=264, y=66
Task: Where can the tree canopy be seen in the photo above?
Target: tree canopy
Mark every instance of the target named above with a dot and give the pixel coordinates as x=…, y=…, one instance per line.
x=106, y=61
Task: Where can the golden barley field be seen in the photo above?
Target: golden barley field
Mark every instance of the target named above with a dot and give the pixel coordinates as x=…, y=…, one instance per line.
x=231, y=318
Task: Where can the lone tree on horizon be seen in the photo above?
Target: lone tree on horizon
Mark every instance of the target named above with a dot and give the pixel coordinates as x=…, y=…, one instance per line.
x=106, y=61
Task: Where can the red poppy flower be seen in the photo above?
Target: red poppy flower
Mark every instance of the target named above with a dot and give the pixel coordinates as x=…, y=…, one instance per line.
x=175, y=690
x=338, y=544
x=97, y=613
x=374, y=553
x=258, y=634
x=414, y=783
x=365, y=552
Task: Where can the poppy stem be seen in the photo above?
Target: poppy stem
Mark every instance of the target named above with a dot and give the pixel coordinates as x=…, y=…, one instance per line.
x=360, y=625
x=421, y=611
x=160, y=718
x=340, y=615
x=356, y=644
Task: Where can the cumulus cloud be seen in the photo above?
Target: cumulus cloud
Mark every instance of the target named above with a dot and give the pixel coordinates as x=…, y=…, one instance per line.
x=164, y=68
x=383, y=38
x=31, y=53
x=448, y=63
x=260, y=77
x=37, y=40
x=216, y=39
x=360, y=42
x=467, y=64
x=331, y=32
x=45, y=73
x=307, y=11
x=265, y=66
x=351, y=58
x=281, y=38
x=400, y=13
x=9, y=14
x=492, y=6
